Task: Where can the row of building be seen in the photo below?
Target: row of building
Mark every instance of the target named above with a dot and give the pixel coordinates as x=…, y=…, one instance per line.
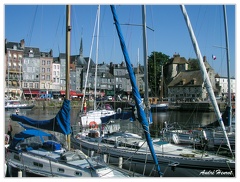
x=37, y=74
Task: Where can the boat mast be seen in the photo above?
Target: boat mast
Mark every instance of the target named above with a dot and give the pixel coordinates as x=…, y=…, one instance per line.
x=229, y=104
x=68, y=30
x=95, y=84
x=145, y=55
x=206, y=79
x=139, y=105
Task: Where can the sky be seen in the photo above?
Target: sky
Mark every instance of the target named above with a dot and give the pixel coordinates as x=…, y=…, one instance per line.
x=43, y=26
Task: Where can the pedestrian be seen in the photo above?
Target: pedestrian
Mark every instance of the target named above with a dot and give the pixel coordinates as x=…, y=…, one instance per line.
x=10, y=129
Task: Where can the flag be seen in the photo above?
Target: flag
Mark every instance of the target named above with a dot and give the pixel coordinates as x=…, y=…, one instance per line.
x=214, y=57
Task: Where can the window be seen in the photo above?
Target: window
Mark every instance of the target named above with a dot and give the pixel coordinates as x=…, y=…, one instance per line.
x=43, y=62
x=48, y=70
x=61, y=170
x=26, y=61
x=43, y=70
x=16, y=157
x=48, y=77
x=37, y=164
x=29, y=69
x=48, y=62
x=77, y=173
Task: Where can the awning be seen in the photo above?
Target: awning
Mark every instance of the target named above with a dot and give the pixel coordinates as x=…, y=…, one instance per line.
x=72, y=93
x=79, y=94
x=31, y=92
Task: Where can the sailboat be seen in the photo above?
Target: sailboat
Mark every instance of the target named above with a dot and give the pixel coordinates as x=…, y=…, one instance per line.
x=214, y=134
x=34, y=152
x=146, y=155
x=92, y=117
x=158, y=107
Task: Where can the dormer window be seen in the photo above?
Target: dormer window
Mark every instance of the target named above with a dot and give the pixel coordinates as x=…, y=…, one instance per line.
x=31, y=54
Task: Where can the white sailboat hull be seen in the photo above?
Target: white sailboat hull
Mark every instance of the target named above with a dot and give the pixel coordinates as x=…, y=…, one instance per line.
x=95, y=116
x=174, y=161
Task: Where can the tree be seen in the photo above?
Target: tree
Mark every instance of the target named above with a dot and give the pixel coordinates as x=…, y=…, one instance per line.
x=155, y=61
x=193, y=64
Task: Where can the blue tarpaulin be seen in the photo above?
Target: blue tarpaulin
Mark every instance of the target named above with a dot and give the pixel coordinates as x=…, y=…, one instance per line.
x=60, y=123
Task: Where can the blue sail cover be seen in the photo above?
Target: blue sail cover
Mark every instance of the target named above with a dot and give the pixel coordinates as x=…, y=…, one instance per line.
x=60, y=123
x=30, y=132
x=139, y=105
x=123, y=115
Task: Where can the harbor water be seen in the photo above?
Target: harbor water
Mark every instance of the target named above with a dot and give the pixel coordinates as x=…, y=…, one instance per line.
x=185, y=120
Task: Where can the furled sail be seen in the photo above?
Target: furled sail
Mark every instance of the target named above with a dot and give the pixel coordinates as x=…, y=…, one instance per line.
x=60, y=123
x=139, y=104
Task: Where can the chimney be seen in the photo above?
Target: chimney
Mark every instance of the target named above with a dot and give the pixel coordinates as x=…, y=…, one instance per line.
x=204, y=58
x=183, y=81
x=51, y=53
x=22, y=42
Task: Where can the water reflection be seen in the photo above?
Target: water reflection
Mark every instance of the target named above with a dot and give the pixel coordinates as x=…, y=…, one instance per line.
x=183, y=119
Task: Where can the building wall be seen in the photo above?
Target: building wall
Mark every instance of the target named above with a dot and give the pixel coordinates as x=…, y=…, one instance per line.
x=31, y=70
x=223, y=83
x=56, y=76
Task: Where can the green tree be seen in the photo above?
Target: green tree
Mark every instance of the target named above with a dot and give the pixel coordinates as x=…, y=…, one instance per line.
x=155, y=61
x=193, y=64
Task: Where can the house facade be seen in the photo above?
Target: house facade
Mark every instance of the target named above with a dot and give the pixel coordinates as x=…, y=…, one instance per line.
x=186, y=85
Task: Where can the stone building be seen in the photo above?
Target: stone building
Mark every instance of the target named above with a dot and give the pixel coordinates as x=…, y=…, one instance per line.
x=186, y=85
x=13, y=68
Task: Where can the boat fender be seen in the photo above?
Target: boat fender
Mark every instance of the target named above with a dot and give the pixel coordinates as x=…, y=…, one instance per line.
x=173, y=165
x=175, y=138
x=119, y=110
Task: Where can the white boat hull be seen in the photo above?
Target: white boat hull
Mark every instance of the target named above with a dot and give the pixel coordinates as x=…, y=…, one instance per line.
x=168, y=159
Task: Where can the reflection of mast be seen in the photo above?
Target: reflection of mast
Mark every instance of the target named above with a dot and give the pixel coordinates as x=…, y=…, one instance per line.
x=161, y=84
x=8, y=74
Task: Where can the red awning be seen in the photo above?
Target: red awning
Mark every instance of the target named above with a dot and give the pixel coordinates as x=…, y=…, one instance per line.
x=62, y=92
x=31, y=92
x=79, y=94
x=72, y=93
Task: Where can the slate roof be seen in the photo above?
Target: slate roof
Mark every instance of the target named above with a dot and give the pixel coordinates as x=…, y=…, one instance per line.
x=188, y=77
x=36, y=51
x=10, y=45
